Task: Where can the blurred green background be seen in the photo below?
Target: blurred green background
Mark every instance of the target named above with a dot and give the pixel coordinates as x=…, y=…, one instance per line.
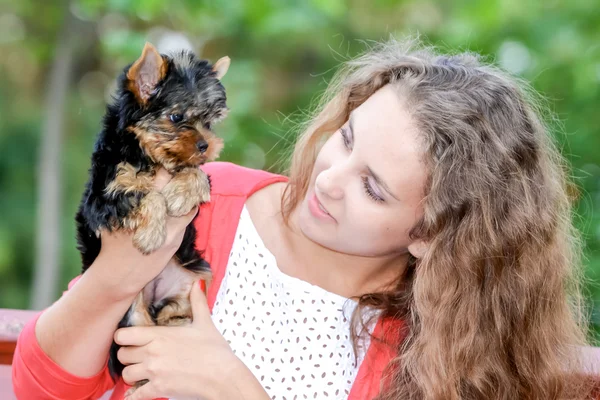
x=59, y=59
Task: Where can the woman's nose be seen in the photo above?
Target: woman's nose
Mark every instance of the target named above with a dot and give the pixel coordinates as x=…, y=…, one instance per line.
x=329, y=183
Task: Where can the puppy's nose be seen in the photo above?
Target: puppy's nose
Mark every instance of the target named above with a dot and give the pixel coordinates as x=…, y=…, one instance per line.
x=202, y=146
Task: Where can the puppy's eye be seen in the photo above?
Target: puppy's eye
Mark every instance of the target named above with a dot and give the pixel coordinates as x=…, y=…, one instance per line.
x=176, y=118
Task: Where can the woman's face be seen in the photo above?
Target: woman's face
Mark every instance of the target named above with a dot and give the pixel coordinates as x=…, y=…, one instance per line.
x=368, y=181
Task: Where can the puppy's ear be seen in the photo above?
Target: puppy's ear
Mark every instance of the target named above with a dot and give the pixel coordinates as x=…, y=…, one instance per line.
x=146, y=72
x=221, y=66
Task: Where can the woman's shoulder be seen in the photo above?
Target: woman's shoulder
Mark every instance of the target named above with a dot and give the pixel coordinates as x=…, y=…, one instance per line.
x=231, y=186
x=234, y=180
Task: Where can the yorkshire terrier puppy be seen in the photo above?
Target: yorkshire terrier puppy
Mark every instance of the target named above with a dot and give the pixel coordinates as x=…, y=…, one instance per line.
x=161, y=116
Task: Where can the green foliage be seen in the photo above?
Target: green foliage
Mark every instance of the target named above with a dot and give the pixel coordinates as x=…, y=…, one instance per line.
x=282, y=54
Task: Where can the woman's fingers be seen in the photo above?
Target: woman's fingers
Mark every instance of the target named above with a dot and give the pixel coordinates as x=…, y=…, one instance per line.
x=131, y=355
x=176, y=225
x=161, y=179
x=135, y=335
x=134, y=373
x=186, y=219
x=199, y=305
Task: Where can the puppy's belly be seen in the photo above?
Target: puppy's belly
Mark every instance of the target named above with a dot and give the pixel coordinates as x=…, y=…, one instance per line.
x=168, y=294
x=173, y=282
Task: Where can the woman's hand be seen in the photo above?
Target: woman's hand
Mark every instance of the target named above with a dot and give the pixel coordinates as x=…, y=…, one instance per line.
x=191, y=361
x=124, y=266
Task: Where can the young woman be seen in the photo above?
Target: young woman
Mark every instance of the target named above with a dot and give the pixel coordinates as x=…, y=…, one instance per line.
x=421, y=248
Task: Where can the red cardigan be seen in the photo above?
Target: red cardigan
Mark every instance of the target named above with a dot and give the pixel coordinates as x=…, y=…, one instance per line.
x=36, y=376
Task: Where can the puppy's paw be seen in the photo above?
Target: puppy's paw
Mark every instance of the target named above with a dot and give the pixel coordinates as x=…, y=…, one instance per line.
x=178, y=205
x=185, y=191
x=150, y=223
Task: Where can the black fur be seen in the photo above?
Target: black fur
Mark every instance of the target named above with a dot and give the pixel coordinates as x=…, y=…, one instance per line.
x=189, y=84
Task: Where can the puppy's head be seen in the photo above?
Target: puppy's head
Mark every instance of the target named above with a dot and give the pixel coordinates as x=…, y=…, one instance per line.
x=173, y=103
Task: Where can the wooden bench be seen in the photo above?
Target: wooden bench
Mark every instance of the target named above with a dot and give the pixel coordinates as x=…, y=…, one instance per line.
x=11, y=323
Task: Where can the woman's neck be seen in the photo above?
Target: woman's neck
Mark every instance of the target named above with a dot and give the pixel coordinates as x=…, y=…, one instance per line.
x=298, y=256
x=344, y=274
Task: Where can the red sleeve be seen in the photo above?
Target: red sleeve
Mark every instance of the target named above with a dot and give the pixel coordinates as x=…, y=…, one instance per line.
x=371, y=377
x=218, y=219
x=36, y=376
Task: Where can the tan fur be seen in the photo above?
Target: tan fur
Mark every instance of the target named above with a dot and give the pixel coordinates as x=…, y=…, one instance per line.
x=187, y=189
x=215, y=145
x=149, y=216
x=163, y=149
x=128, y=179
x=178, y=313
x=140, y=315
x=149, y=223
x=183, y=150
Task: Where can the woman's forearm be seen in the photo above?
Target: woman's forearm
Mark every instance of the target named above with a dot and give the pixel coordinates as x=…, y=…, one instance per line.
x=76, y=332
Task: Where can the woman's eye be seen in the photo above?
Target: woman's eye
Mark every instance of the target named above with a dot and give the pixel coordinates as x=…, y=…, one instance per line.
x=176, y=118
x=345, y=137
x=369, y=190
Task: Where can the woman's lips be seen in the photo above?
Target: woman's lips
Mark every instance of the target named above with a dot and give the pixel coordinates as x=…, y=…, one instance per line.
x=317, y=209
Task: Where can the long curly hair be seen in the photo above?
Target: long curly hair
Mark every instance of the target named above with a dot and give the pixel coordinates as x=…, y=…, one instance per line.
x=493, y=310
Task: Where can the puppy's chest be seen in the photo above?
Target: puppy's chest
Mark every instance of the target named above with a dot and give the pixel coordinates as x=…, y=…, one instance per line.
x=292, y=335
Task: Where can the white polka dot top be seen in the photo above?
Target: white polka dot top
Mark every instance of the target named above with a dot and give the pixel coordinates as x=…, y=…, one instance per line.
x=292, y=335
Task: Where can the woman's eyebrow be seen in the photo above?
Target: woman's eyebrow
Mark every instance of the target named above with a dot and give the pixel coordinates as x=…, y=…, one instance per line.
x=378, y=180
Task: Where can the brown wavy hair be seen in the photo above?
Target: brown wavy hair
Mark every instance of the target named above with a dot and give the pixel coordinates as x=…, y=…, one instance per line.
x=493, y=310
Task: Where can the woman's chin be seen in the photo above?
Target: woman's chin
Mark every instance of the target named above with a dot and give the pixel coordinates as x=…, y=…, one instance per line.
x=309, y=226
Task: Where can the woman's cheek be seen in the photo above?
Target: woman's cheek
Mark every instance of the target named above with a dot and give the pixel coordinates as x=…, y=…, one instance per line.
x=378, y=224
x=363, y=218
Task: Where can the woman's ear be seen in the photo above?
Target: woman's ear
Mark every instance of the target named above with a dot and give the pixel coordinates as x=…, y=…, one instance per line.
x=418, y=248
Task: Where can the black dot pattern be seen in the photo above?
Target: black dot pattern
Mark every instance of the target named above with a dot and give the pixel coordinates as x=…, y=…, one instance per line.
x=292, y=335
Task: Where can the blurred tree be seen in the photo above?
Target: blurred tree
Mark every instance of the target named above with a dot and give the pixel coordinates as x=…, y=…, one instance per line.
x=50, y=185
